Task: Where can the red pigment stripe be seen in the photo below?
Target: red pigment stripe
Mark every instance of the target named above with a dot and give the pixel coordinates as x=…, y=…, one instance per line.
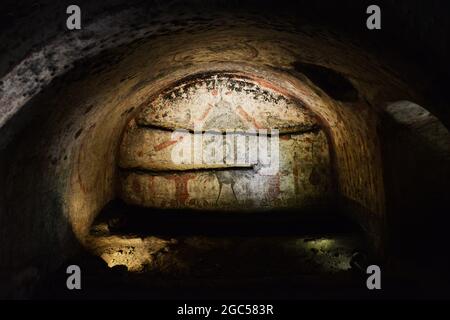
x=248, y=117
x=166, y=144
x=206, y=112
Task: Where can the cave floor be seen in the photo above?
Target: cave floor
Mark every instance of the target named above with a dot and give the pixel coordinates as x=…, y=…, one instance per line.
x=140, y=254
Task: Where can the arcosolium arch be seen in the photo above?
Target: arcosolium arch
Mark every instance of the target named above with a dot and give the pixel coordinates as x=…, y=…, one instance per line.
x=67, y=130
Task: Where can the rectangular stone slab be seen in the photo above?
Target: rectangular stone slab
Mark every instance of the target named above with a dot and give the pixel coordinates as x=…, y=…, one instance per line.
x=304, y=179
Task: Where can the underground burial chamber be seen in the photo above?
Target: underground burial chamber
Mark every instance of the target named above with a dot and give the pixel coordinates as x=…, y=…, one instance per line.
x=101, y=156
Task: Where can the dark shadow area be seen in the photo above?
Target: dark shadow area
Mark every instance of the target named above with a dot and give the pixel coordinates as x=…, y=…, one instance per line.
x=127, y=219
x=417, y=177
x=218, y=255
x=333, y=83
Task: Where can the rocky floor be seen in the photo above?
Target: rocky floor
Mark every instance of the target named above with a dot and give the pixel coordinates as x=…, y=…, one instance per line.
x=142, y=254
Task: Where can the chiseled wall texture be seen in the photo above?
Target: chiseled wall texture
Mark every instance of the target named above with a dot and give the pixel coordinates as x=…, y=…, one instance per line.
x=62, y=167
x=86, y=119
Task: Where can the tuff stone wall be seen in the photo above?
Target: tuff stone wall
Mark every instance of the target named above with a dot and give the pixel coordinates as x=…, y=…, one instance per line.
x=62, y=167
